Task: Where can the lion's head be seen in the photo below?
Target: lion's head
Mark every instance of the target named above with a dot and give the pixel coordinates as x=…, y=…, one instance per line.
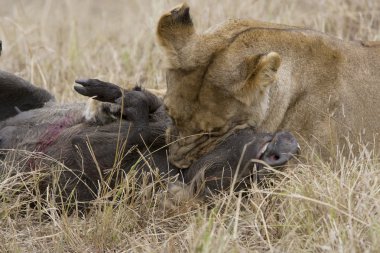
x=214, y=85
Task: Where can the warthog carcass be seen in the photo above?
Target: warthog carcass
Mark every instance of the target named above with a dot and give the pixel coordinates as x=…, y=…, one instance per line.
x=125, y=130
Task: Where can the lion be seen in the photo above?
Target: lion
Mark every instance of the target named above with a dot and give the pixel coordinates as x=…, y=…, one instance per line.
x=247, y=73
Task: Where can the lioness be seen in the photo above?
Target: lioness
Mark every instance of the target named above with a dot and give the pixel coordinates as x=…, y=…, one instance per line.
x=268, y=76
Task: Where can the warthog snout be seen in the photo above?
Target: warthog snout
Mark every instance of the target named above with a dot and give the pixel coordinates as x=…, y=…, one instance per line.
x=281, y=149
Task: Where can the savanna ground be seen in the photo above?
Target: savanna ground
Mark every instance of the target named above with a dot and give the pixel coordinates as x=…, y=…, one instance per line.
x=316, y=206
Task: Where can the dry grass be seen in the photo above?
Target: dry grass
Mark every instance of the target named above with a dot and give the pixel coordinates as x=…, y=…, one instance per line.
x=314, y=207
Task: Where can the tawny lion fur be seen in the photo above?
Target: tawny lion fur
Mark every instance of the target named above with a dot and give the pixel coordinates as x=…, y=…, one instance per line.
x=267, y=76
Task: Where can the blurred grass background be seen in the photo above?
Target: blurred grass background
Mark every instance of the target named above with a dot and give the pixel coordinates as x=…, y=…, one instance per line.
x=53, y=42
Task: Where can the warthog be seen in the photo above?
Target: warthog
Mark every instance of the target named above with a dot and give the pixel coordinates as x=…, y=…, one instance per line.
x=125, y=130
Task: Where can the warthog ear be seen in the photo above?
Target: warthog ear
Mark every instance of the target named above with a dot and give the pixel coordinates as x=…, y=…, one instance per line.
x=261, y=72
x=174, y=29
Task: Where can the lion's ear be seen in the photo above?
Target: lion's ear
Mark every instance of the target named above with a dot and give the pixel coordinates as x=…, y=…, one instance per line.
x=262, y=69
x=175, y=28
x=261, y=72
